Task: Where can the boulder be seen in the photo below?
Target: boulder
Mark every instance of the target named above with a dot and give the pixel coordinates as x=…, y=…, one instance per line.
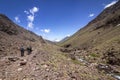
x=13, y=59
x=19, y=69
x=24, y=62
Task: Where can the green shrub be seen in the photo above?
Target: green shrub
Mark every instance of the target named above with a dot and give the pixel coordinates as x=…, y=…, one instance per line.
x=94, y=55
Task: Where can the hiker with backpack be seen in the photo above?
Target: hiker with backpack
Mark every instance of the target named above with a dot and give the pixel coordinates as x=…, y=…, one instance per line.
x=29, y=50
x=22, y=50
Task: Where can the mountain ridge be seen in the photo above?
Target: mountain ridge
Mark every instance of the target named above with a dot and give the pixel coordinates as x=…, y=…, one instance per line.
x=13, y=34
x=111, y=18
x=101, y=36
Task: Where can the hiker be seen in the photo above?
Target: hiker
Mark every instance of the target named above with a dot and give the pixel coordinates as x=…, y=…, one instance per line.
x=22, y=51
x=29, y=50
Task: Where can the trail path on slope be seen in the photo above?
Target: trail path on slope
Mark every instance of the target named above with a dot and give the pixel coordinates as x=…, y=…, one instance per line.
x=13, y=69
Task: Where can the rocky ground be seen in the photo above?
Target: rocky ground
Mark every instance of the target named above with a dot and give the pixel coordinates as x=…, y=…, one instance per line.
x=48, y=64
x=96, y=59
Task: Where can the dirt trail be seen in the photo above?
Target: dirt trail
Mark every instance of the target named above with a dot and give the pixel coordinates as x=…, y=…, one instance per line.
x=14, y=66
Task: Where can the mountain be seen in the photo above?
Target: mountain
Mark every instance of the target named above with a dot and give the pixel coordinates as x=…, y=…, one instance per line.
x=12, y=37
x=64, y=39
x=104, y=27
x=46, y=62
x=101, y=35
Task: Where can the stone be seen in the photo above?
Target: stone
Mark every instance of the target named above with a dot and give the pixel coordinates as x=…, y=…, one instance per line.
x=47, y=69
x=19, y=69
x=45, y=66
x=22, y=63
x=13, y=59
x=37, y=68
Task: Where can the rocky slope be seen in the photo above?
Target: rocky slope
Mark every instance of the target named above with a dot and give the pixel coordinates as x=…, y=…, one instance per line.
x=44, y=65
x=13, y=36
x=105, y=22
x=46, y=62
x=100, y=37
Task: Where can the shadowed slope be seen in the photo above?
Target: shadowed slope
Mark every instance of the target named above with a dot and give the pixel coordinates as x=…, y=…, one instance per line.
x=13, y=36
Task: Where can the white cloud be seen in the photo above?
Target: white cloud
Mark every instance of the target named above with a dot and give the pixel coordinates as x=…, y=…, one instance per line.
x=91, y=15
x=26, y=12
x=31, y=16
x=110, y=4
x=17, y=19
x=34, y=10
x=56, y=40
x=30, y=25
x=46, y=30
x=68, y=35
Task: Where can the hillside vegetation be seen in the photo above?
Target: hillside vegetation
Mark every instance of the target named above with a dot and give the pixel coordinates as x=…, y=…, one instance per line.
x=104, y=27
x=100, y=36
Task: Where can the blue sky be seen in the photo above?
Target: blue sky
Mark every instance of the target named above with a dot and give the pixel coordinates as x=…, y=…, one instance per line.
x=53, y=19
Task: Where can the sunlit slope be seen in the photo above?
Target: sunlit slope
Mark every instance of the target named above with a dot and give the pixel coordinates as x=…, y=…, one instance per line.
x=102, y=29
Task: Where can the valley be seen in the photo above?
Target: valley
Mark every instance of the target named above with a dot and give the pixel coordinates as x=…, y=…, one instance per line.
x=92, y=53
